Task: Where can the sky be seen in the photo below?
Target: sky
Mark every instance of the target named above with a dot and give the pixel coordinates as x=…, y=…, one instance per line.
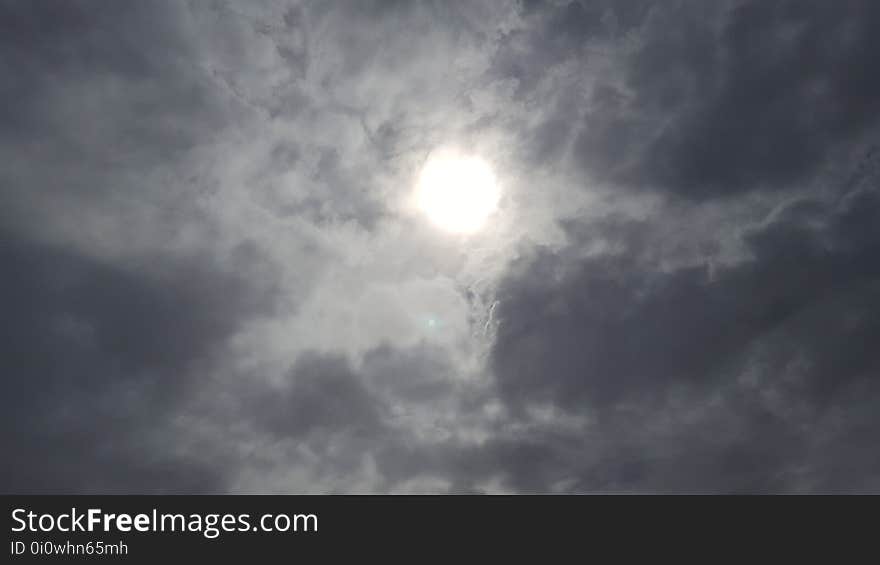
x=214, y=278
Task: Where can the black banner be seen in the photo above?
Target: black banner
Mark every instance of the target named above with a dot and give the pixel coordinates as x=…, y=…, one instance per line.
x=41, y=528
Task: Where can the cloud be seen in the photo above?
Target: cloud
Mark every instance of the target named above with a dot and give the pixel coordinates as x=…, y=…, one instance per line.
x=700, y=99
x=216, y=281
x=96, y=362
x=323, y=394
x=754, y=354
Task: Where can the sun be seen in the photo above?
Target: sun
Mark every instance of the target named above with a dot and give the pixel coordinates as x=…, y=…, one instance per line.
x=457, y=192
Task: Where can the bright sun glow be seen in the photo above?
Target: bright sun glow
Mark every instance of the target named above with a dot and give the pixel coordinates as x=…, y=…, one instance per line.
x=457, y=192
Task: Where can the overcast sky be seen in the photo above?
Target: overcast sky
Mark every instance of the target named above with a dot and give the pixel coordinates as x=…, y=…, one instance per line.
x=213, y=279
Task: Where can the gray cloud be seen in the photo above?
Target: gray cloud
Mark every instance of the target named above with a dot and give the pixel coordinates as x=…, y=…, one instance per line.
x=216, y=280
x=708, y=99
x=772, y=344
x=96, y=360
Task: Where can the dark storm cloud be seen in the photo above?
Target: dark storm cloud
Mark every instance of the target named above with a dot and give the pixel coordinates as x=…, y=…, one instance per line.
x=773, y=344
x=101, y=350
x=345, y=414
x=322, y=407
x=322, y=395
x=133, y=59
x=772, y=96
x=96, y=360
x=712, y=98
